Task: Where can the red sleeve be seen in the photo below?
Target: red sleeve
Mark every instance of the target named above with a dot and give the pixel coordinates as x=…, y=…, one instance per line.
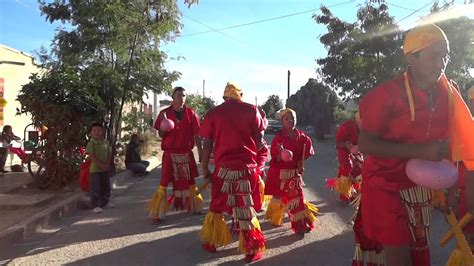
x=309, y=147
x=374, y=112
x=158, y=120
x=195, y=123
x=274, y=149
x=342, y=133
x=207, y=127
x=259, y=124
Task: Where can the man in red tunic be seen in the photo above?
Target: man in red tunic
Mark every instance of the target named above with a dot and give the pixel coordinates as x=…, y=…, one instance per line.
x=178, y=163
x=406, y=117
x=234, y=131
x=349, y=158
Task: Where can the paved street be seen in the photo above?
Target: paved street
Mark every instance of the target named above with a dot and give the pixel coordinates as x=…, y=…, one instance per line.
x=125, y=236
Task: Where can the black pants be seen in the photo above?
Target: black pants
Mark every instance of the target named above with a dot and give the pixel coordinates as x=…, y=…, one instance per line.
x=100, y=189
x=3, y=157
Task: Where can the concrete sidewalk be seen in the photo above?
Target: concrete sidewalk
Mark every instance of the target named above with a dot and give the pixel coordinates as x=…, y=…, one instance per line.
x=27, y=212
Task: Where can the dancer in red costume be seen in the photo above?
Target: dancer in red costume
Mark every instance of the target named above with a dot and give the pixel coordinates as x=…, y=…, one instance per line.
x=178, y=163
x=406, y=117
x=233, y=131
x=284, y=181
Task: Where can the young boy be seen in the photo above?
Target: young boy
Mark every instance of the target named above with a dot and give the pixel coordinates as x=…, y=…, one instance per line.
x=98, y=150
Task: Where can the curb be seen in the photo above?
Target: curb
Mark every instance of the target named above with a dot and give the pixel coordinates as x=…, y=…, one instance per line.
x=66, y=207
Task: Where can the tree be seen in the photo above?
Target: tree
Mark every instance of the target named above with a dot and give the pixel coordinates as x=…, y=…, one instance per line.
x=115, y=46
x=314, y=104
x=272, y=105
x=460, y=33
x=199, y=105
x=360, y=54
x=66, y=105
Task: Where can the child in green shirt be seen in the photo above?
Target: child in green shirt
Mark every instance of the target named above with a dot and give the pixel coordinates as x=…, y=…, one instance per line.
x=98, y=150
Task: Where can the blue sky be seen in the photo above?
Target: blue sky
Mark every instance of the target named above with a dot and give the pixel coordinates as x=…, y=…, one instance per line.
x=257, y=56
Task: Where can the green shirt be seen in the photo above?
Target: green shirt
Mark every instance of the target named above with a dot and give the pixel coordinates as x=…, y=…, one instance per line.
x=100, y=149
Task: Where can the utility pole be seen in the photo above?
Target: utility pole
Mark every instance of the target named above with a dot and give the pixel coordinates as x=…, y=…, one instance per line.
x=203, y=88
x=289, y=83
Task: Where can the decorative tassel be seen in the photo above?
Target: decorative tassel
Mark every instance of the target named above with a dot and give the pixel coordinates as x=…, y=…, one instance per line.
x=331, y=183
x=303, y=221
x=344, y=186
x=275, y=212
x=196, y=200
x=230, y=200
x=252, y=241
x=214, y=230
x=358, y=259
x=158, y=206
x=244, y=186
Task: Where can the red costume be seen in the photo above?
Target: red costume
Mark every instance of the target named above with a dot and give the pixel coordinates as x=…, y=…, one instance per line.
x=178, y=163
x=233, y=127
x=284, y=183
x=388, y=196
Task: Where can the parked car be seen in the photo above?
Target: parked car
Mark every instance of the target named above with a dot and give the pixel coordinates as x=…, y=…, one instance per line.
x=274, y=126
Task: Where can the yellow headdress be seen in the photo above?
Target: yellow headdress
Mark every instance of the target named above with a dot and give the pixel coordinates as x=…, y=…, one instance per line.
x=421, y=37
x=286, y=111
x=233, y=91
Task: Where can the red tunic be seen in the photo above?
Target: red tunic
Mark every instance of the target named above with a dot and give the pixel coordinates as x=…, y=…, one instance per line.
x=385, y=112
x=272, y=185
x=179, y=141
x=181, y=138
x=347, y=132
x=233, y=127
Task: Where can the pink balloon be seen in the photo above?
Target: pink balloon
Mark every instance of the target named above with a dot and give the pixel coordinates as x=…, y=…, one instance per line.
x=167, y=125
x=355, y=149
x=433, y=175
x=286, y=155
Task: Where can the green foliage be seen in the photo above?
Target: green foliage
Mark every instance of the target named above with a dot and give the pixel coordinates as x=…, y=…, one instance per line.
x=341, y=115
x=368, y=51
x=137, y=122
x=272, y=105
x=314, y=104
x=64, y=103
x=360, y=54
x=115, y=47
x=199, y=104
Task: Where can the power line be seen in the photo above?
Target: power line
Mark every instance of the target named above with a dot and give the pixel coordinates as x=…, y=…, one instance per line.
x=402, y=7
x=213, y=29
x=263, y=20
x=416, y=11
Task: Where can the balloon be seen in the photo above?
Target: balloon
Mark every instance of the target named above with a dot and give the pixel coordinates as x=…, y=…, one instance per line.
x=167, y=125
x=286, y=155
x=433, y=175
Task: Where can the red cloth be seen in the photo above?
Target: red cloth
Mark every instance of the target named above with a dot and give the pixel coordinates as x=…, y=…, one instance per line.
x=262, y=156
x=462, y=199
x=272, y=184
x=167, y=173
x=19, y=152
x=233, y=127
x=181, y=138
x=219, y=199
x=385, y=113
x=84, y=176
x=348, y=132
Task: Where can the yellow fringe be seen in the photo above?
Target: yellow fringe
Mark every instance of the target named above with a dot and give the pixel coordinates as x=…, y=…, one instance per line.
x=266, y=201
x=197, y=200
x=255, y=225
x=214, y=230
x=456, y=258
x=158, y=206
x=275, y=212
x=261, y=189
x=311, y=210
x=344, y=186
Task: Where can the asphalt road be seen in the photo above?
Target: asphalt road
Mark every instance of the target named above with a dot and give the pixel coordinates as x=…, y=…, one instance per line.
x=125, y=236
